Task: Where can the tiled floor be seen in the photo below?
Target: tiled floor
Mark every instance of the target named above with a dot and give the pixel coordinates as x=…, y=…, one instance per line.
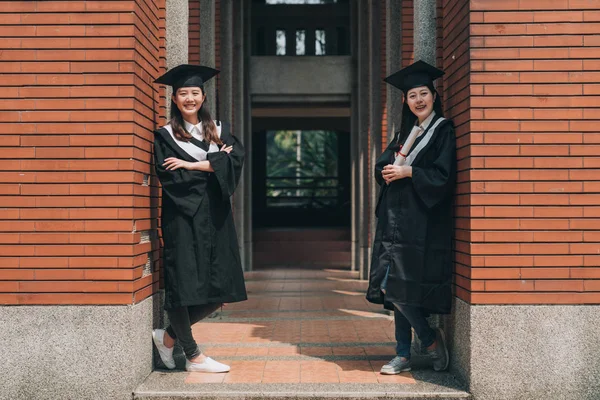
x=300, y=331
x=299, y=326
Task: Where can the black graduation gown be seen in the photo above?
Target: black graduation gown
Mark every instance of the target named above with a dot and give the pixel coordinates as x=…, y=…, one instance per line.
x=201, y=255
x=415, y=227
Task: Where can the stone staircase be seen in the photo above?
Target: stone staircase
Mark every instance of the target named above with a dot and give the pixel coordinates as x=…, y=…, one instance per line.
x=302, y=247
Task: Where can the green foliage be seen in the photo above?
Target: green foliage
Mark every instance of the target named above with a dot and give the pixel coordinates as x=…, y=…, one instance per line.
x=317, y=158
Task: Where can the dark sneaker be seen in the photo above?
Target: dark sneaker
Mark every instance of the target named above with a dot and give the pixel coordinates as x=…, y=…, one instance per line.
x=439, y=355
x=397, y=365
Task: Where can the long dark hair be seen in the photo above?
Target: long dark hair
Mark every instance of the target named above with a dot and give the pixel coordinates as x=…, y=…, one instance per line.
x=209, y=129
x=409, y=119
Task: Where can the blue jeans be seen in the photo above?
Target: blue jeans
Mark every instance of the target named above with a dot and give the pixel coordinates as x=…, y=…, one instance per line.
x=406, y=317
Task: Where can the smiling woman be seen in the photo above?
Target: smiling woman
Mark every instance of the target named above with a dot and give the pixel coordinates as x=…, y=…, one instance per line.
x=411, y=266
x=199, y=165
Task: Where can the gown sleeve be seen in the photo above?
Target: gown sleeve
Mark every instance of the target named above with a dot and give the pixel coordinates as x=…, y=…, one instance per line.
x=385, y=159
x=185, y=188
x=228, y=167
x=434, y=183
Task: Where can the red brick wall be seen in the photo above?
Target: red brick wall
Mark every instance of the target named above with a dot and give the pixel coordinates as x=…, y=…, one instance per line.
x=455, y=97
x=439, y=42
x=529, y=191
x=384, y=126
x=407, y=32
x=217, y=45
x=194, y=32
x=77, y=114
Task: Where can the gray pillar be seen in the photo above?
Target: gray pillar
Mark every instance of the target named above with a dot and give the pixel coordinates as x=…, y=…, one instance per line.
x=177, y=32
x=226, y=53
x=245, y=107
x=177, y=41
x=425, y=30
x=375, y=115
x=363, y=139
x=354, y=139
x=241, y=198
x=207, y=47
x=227, y=103
x=393, y=59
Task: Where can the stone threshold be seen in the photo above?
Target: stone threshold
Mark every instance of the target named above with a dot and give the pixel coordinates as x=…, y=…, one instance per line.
x=168, y=386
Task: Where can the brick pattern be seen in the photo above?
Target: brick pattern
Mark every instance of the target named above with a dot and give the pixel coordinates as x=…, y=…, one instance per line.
x=161, y=118
x=407, y=33
x=384, y=126
x=529, y=192
x=218, y=54
x=455, y=100
x=439, y=43
x=194, y=32
x=77, y=114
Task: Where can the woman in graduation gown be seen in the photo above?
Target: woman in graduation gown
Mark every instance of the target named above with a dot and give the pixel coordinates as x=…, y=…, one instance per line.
x=198, y=162
x=412, y=260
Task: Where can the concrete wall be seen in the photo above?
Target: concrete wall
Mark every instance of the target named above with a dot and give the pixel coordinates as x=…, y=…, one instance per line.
x=318, y=78
x=76, y=352
x=527, y=352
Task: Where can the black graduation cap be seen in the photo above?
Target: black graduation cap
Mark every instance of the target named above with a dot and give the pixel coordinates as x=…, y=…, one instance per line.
x=187, y=75
x=415, y=75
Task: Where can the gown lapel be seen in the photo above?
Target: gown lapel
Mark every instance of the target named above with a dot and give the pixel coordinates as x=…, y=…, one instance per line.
x=166, y=136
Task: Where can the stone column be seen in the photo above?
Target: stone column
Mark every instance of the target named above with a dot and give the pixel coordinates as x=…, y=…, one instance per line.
x=226, y=53
x=393, y=59
x=424, y=32
x=207, y=47
x=375, y=114
x=229, y=101
x=242, y=210
x=363, y=136
x=354, y=138
x=177, y=43
x=245, y=52
x=425, y=45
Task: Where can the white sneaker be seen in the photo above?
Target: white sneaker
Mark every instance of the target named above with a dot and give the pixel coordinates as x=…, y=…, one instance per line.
x=166, y=354
x=209, y=365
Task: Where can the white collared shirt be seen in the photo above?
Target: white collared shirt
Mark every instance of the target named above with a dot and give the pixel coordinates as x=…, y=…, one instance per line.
x=190, y=148
x=423, y=127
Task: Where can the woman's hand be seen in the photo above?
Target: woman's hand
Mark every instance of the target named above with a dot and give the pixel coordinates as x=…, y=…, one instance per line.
x=391, y=172
x=226, y=149
x=172, y=163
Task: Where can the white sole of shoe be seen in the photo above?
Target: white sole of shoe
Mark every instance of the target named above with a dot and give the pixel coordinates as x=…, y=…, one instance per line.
x=170, y=364
x=394, y=372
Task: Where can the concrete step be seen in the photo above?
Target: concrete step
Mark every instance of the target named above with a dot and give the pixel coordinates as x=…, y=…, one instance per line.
x=300, y=234
x=173, y=386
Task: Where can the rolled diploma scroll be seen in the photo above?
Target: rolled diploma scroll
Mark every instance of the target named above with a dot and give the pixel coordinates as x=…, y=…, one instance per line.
x=401, y=158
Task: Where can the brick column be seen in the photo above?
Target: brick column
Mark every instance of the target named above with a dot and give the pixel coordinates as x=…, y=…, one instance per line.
x=78, y=209
x=521, y=86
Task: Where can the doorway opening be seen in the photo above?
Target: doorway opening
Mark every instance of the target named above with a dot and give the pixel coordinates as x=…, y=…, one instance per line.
x=301, y=178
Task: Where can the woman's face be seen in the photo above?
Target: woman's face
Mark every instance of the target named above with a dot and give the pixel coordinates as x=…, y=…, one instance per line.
x=420, y=101
x=188, y=101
